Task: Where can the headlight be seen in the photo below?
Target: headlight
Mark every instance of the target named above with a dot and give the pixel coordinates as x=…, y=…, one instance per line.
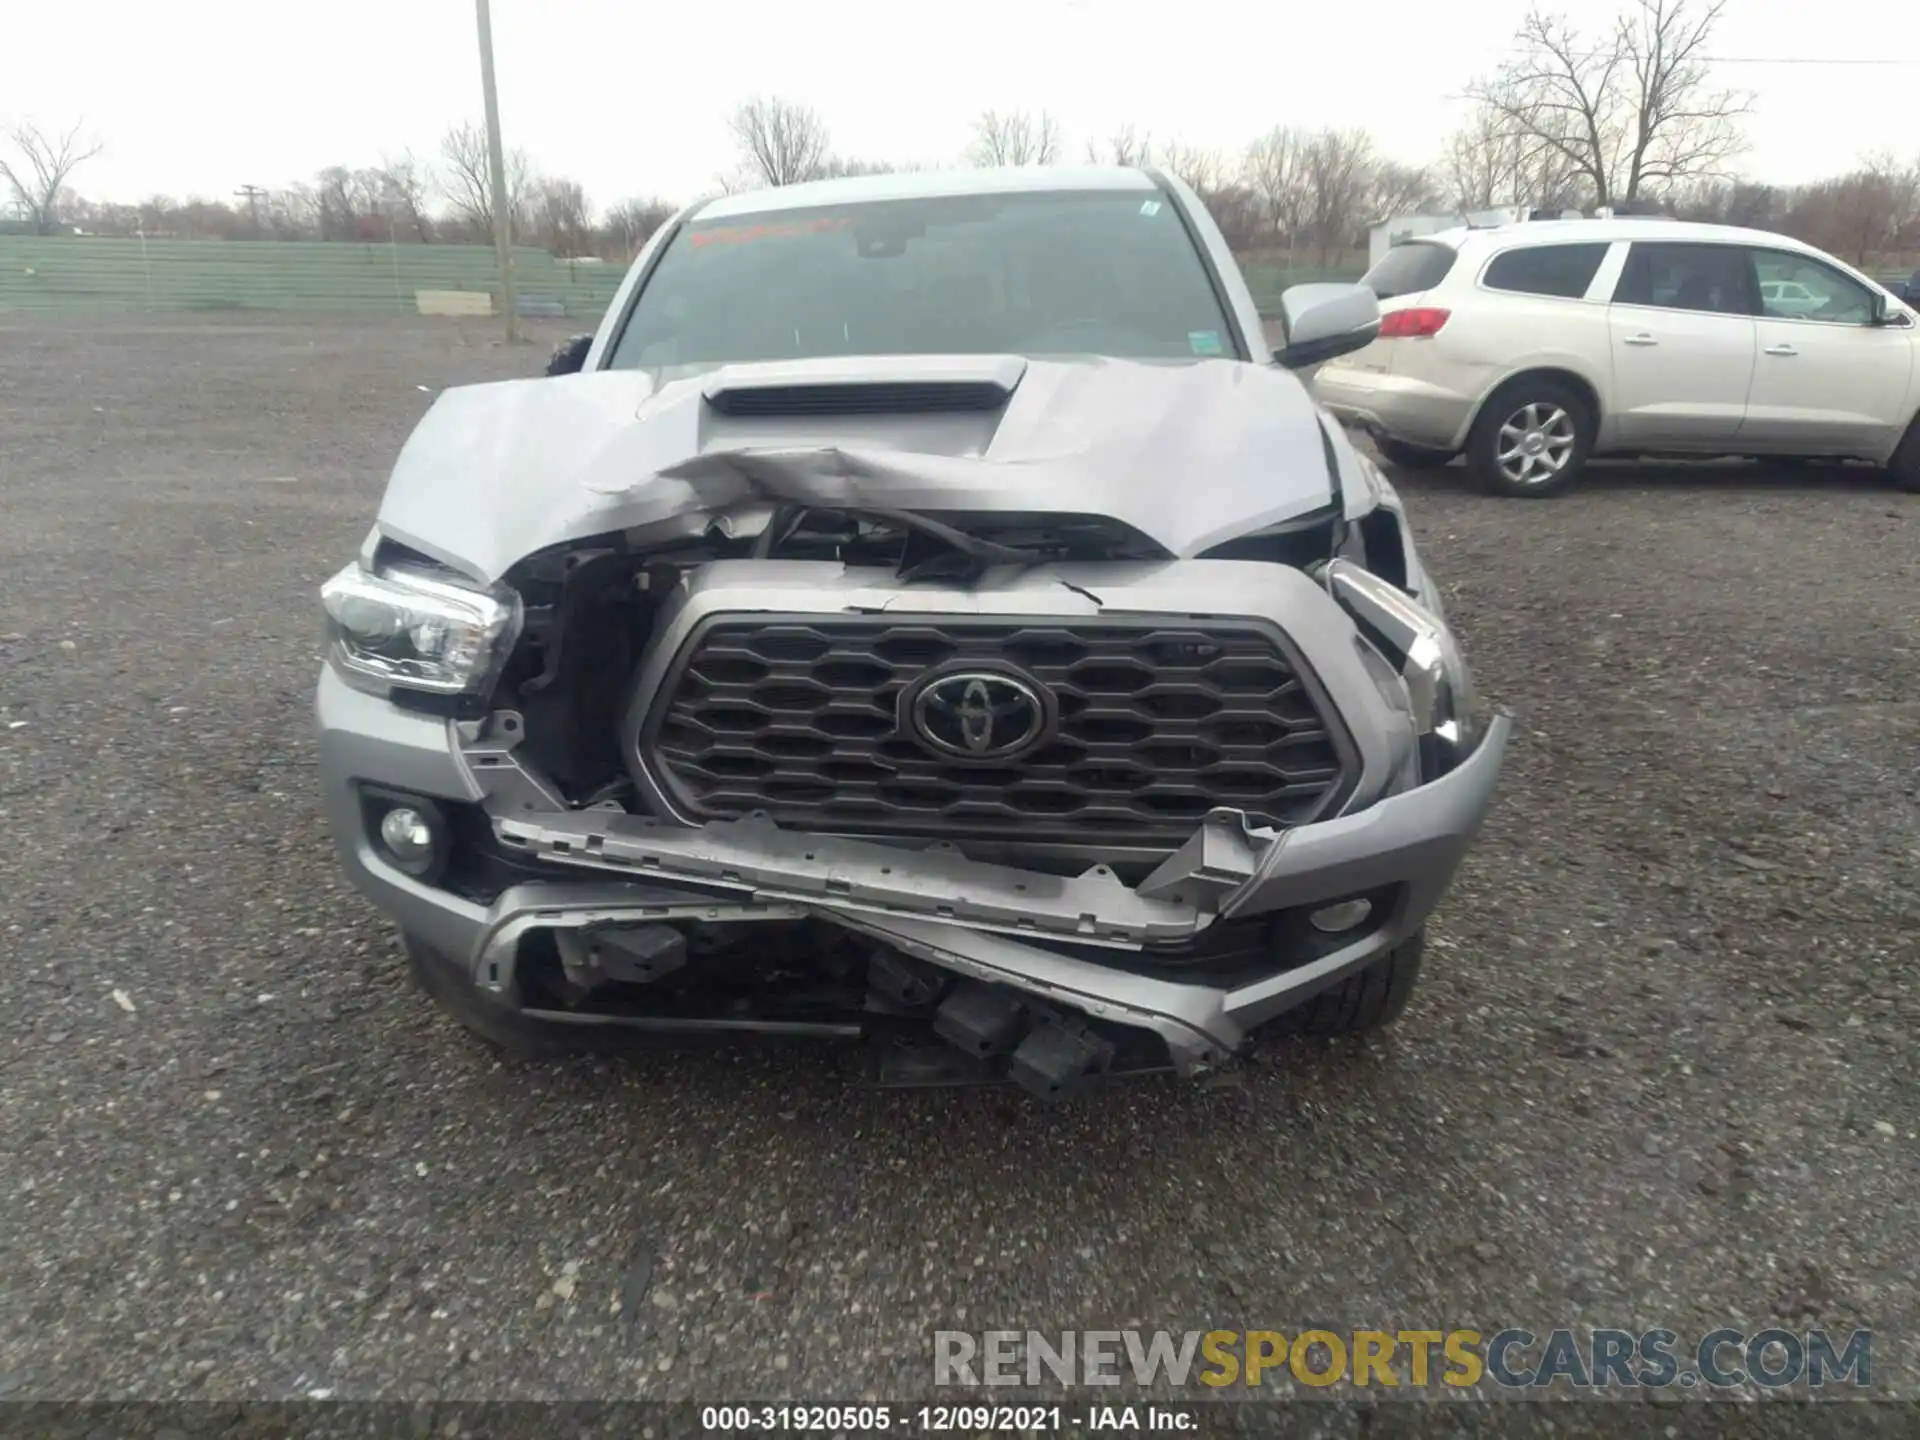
x=1447, y=717
x=409, y=627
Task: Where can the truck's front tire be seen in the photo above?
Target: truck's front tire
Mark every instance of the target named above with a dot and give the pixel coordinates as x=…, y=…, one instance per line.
x=1367, y=999
x=1905, y=465
x=451, y=988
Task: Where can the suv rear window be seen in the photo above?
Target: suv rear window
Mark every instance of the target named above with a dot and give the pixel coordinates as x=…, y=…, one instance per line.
x=1409, y=268
x=1562, y=270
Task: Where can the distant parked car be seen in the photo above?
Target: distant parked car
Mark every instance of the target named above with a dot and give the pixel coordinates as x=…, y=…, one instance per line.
x=1531, y=348
x=1789, y=297
x=1901, y=287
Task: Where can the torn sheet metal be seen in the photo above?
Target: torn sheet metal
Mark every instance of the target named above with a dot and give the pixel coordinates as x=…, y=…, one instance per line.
x=756, y=859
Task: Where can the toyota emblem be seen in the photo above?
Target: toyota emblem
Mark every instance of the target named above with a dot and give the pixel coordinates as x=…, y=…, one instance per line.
x=978, y=715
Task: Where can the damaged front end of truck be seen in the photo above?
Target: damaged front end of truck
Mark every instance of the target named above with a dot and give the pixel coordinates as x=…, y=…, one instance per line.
x=1039, y=721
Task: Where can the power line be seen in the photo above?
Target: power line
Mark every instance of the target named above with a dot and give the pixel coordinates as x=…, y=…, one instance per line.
x=1737, y=59
x=1797, y=60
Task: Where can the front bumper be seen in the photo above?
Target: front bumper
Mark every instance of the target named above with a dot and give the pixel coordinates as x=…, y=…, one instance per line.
x=996, y=923
x=1399, y=407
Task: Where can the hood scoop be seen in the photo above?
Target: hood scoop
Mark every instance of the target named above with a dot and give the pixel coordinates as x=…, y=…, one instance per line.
x=866, y=385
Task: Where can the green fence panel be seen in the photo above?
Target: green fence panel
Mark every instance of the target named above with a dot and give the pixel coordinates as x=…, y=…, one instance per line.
x=81, y=273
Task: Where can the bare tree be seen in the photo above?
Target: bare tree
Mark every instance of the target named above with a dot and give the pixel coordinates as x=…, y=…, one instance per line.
x=631, y=222
x=403, y=194
x=562, y=216
x=105, y=217
x=1016, y=138
x=1757, y=207
x=1682, y=127
x=1871, y=211
x=1239, y=213
x=1232, y=203
x=1705, y=199
x=1401, y=190
x=1122, y=147
x=1339, y=177
x=38, y=175
x=1199, y=169
x=293, y=212
x=1493, y=162
x=345, y=203
x=781, y=142
x=1479, y=172
x=466, y=179
x=835, y=166
x=1629, y=112
x=1277, y=172
x=342, y=197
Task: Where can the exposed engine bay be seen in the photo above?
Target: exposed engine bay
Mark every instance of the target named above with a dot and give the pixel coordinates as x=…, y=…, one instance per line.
x=591, y=607
x=810, y=741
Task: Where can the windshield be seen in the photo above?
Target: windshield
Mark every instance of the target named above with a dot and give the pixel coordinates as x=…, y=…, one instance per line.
x=1076, y=272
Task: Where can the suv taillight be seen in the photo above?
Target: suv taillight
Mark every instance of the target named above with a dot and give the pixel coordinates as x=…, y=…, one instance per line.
x=1414, y=324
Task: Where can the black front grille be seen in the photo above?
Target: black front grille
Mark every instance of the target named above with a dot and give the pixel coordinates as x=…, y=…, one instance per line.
x=1156, y=725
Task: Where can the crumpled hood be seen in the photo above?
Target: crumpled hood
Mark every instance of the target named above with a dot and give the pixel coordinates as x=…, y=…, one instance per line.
x=1189, y=454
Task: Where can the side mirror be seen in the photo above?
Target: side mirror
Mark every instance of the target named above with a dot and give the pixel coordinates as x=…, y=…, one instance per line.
x=569, y=355
x=1322, y=321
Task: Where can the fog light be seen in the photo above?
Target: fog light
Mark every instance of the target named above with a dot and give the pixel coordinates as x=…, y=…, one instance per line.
x=1338, y=919
x=408, y=836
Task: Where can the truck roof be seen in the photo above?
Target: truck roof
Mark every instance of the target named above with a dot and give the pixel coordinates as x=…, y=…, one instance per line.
x=927, y=184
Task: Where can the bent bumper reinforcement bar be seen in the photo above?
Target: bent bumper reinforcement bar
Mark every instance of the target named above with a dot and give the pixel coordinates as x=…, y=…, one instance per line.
x=993, y=922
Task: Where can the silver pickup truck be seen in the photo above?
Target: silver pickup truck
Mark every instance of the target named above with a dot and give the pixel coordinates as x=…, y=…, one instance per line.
x=930, y=611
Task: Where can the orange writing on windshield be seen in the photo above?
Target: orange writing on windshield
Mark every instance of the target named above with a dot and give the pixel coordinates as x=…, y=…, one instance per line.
x=740, y=234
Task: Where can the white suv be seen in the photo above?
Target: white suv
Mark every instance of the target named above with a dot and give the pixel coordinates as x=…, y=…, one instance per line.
x=1531, y=347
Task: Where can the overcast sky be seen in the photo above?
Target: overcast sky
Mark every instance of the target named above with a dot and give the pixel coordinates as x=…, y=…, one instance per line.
x=631, y=97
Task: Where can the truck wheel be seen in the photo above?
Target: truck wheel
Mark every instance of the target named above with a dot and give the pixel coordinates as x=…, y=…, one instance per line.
x=1410, y=457
x=450, y=987
x=1905, y=465
x=1531, y=439
x=1366, y=999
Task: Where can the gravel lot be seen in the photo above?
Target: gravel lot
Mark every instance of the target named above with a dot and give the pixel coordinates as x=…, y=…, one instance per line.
x=1660, y=1071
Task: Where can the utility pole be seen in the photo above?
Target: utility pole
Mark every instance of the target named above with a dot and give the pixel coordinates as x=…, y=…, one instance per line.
x=497, y=161
x=253, y=195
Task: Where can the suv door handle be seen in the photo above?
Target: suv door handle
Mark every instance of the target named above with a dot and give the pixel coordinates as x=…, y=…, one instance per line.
x=1641, y=339
x=1781, y=350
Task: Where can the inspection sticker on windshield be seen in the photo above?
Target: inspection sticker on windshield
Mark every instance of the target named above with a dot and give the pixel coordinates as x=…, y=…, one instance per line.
x=1206, y=342
x=1151, y=207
